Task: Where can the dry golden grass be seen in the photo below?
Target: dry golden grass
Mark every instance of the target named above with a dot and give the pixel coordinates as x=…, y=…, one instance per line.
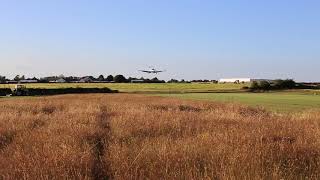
x=120, y=136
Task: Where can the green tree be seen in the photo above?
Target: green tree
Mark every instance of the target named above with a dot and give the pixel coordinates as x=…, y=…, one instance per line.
x=110, y=78
x=17, y=78
x=101, y=78
x=3, y=79
x=155, y=79
x=119, y=79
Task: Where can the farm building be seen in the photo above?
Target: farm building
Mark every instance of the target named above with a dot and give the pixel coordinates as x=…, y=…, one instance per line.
x=86, y=79
x=28, y=81
x=240, y=80
x=60, y=80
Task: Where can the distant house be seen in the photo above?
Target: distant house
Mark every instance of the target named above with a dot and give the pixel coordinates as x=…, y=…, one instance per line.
x=60, y=80
x=86, y=80
x=28, y=81
x=12, y=82
x=51, y=79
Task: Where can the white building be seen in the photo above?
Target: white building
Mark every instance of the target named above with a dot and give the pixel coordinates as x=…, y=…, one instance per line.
x=61, y=80
x=235, y=80
x=241, y=80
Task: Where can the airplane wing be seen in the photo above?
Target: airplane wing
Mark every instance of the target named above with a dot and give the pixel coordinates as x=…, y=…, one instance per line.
x=161, y=71
x=145, y=71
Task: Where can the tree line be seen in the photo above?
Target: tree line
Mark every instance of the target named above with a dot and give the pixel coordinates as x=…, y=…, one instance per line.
x=280, y=84
x=101, y=78
x=263, y=85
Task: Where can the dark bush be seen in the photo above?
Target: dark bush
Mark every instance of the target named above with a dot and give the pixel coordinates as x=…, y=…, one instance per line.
x=173, y=81
x=5, y=91
x=275, y=85
x=306, y=86
x=284, y=84
x=264, y=85
x=289, y=83
x=278, y=84
x=39, y=92
x=254, y=85
x=154, y=80
x=3, y=79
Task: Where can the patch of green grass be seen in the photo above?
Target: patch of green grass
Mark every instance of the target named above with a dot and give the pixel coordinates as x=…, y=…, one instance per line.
x=280, y=102
x=143, y=87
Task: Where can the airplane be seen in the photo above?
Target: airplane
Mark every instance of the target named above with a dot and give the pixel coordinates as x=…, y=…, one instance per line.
x=151, y=71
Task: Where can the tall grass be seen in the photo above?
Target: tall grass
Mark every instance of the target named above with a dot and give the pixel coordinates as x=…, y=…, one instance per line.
x=122, y=136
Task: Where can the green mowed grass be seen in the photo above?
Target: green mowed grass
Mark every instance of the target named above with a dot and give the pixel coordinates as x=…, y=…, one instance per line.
x=277, y=101
x=142, y=87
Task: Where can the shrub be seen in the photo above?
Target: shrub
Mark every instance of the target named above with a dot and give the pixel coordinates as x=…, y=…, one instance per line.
x=277, y=84
x=173, y=81
x=3, y=79
x=254, y=85
x=39, y=92
x=289, y=83
x=284, y=84
x=5, y=91
x=264, y=85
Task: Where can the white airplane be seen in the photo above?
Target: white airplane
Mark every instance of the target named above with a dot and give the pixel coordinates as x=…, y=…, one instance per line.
x=151, y=71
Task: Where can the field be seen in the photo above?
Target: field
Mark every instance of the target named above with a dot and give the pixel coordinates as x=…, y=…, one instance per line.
x=132, y=136
x=143, y=88
x=276, y=101
x=281, y=101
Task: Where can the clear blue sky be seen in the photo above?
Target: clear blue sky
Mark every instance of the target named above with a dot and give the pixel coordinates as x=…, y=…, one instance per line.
x=191, y=39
